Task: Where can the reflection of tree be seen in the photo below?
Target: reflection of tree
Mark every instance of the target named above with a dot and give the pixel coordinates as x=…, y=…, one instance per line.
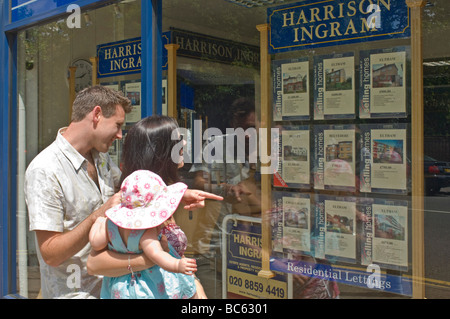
x=435, y=17
x=39, y=42
x=44, y=41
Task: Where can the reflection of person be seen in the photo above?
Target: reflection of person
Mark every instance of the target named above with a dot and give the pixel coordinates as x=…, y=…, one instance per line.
x=305, y=287
x=68, y=185
x=148, y=146
x=134, y=226
x=237, y=180
x=234, y=180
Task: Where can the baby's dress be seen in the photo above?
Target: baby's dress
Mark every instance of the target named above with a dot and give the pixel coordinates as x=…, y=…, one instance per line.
x=176, y=237
x=152, y=283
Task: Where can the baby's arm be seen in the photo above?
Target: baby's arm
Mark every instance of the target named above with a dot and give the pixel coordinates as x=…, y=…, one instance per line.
x=98, y=236
x=152, y=249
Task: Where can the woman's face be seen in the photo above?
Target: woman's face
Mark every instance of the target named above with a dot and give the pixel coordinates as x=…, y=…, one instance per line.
x=181, y=163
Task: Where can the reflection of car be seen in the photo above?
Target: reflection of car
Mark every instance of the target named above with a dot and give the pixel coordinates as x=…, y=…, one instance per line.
x=437, y=175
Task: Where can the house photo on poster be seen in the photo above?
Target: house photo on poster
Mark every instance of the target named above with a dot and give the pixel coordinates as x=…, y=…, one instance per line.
x=382, y=91
x=133, y=92
x=384, y=238
x=294, y=158
x=334, y=86
x=383, y=161
x=291, y=89
x=334, y=157
x=335, y=228
x=291, y=217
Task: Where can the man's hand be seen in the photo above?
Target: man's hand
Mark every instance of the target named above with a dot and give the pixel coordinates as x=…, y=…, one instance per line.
x=114, y=200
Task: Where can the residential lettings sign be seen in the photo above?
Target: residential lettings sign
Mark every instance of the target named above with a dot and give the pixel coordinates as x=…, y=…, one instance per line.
x=318, y=23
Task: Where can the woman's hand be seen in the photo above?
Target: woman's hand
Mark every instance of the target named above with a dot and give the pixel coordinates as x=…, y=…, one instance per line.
x=193, y=198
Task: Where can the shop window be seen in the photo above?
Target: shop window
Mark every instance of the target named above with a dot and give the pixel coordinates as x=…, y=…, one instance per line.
x=305, y=202
x=340, y=196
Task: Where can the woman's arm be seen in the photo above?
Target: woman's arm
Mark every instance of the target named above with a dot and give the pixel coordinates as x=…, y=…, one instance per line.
x=113, y=264
x=98, y=235
x=153, y=249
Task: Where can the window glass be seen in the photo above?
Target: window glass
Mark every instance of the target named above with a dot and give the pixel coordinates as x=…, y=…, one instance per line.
x=336, y=231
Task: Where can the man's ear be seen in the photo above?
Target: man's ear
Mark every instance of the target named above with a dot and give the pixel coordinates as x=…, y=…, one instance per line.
x=96, y=114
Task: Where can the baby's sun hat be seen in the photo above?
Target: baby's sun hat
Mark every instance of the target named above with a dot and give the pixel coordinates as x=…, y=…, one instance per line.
x=147, y=201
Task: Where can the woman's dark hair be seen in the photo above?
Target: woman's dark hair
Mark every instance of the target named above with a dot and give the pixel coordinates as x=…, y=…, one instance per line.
x=148, y=145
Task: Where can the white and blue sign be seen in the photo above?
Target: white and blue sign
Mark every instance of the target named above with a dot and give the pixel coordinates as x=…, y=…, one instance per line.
x=351, y=276
x=24, y=9
x=119, y=58
x=315, y=23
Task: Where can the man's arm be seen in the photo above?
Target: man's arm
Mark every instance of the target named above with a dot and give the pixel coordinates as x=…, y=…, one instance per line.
x=57, y=247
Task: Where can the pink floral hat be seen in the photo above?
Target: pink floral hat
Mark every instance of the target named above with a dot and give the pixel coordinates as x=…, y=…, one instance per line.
x=147, y=201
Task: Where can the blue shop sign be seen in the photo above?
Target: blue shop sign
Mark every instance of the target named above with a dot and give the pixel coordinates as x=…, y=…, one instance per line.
x=21, y=9
x=119, y=58
x=315, y=23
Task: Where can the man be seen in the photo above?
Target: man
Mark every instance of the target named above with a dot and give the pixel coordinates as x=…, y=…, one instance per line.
x=71, y=183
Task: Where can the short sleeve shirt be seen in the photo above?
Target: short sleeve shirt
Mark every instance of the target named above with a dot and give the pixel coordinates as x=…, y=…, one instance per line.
x=60, y=194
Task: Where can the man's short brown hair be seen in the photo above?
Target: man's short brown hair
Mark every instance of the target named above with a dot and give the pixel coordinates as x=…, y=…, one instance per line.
x=106, y=98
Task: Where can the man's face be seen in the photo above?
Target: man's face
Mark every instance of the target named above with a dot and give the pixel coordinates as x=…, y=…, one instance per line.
x=109, y=129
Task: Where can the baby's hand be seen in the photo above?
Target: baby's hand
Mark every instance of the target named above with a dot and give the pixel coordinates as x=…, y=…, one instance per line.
x=187, y=266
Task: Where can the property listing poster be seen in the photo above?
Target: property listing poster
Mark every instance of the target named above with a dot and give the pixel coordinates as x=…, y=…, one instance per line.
x=334, y=86
x=291, y=220
x=385, y=233
x=334, y=157
x=335, y=228
x=294, y=164
x=382, y=91
x=291, y=89
x=133, y=92
x=383, y=167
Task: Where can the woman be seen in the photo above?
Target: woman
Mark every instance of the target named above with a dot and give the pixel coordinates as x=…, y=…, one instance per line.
x=148, y=146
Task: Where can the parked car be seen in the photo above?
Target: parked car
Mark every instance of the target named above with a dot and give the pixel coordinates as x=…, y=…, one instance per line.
x=437, y=175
